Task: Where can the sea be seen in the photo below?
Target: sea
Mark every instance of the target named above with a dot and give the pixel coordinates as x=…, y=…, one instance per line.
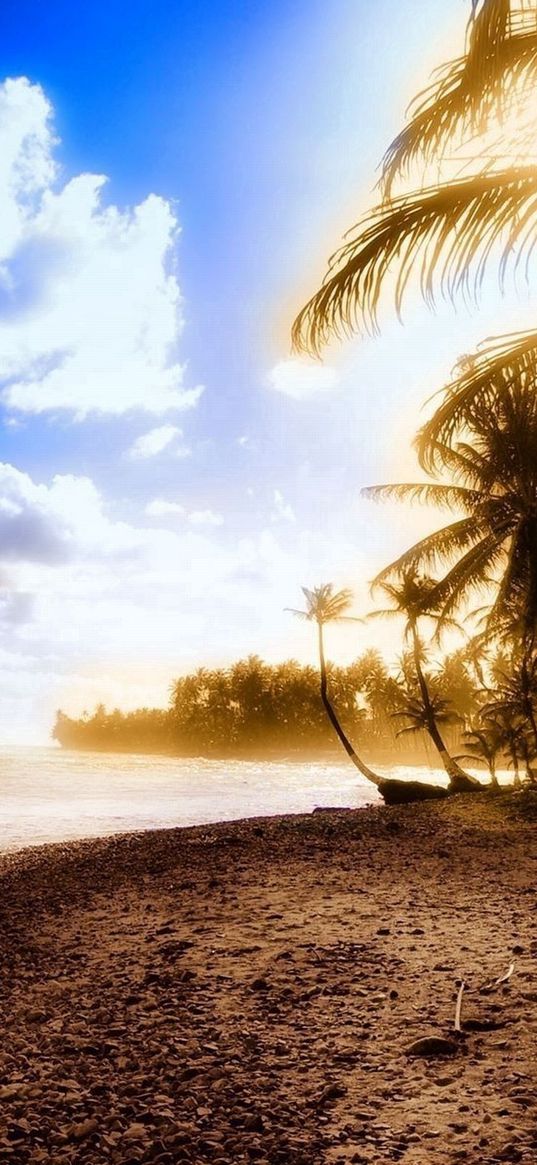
x=51, y=794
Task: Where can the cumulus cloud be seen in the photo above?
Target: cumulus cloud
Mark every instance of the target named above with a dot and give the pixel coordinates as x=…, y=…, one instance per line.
x=160, y=508
x=302, y=379
x=29, y=529
x=90, y=309
x=156, y=440
x=282, y=512
x=205, y=518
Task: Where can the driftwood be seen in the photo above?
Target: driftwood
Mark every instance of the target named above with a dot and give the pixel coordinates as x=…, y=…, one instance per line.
x=403, y=792
x=458, y=1010
x=493, y=983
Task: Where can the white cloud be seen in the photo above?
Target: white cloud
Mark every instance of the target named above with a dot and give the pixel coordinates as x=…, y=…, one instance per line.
x=160, y=508
x=283, y=511
x=90, y=313
x=155, y=441
x=302, y=379
x=205, y=518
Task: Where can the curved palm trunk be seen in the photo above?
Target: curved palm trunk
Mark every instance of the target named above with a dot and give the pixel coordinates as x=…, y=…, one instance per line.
x=459, y=781
x=362, y=768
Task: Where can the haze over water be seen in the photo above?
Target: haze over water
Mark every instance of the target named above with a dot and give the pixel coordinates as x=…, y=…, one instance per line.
x=47, y=794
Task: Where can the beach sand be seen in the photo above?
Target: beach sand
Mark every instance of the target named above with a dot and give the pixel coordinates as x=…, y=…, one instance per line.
x=249, y=992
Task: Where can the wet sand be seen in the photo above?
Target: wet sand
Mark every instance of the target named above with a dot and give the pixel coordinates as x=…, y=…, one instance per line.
x=249, y=992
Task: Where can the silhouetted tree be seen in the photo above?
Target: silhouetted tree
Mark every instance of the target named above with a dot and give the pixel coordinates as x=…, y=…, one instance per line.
x=324, y=605
x=411, y=595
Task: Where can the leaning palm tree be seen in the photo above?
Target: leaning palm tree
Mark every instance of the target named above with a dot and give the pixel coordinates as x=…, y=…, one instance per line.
x=410, y=706
x=411, y=595
x=324, y=605
x=447, y=232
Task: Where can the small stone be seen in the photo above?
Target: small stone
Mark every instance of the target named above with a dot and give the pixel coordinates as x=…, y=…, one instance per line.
x=432, y=1046
x=10, y=1091
x=135, y=1132
x=85, y=1129
x=331, y=1092
x=254, y=1124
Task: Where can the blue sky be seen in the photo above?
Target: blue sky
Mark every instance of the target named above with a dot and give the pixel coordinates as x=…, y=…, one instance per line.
x=170, y=474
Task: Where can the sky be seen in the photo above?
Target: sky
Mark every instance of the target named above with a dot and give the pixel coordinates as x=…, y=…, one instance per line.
x=173, y=178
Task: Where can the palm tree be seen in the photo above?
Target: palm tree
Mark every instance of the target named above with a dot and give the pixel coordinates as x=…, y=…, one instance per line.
x=410, y=706
x=484, y=744
x=411, y=595
x=324, y=605
x=512, y=700
x=455, y=682
x=512, y=733
x=494, y=544
x=446, y=232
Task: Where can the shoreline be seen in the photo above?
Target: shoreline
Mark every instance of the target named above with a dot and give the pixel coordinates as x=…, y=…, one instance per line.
x=247, y=991
x=385, y=758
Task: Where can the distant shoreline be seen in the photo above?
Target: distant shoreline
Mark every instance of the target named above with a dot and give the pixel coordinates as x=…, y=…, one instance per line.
x=301, y=756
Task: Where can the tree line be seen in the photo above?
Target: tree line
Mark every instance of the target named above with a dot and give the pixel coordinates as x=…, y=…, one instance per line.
x=255, y=708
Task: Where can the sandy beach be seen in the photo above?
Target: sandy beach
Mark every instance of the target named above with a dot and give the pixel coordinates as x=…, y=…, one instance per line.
x=250, y=992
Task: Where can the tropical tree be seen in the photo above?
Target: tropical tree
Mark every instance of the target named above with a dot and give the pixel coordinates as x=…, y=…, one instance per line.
x=324, y=605
x=485, y=745
x=448, y=230
x=455, y=683
x=410, y=706
x=513, y=733
x=512, y=699
x=412, y=596
x=493, y=470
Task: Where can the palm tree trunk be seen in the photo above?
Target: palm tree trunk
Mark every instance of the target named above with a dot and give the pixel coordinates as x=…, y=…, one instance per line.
x=362, y=768
x=493, y=778
x=459, y=781
x=516, y=777
x=526, y=684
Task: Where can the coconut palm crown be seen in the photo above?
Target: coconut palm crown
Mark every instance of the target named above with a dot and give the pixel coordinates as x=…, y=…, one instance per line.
x=493, y=546
x=446, y=233
x=324, y=604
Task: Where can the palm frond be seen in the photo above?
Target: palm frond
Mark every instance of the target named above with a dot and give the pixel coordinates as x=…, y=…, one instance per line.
x=469, y=574
x=435, y=548
x=299, y=614
x=498, y=365
x=447, y=497
x=465, y=95
x=436, y=234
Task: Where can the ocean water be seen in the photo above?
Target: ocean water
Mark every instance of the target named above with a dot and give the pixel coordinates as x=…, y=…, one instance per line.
x=48, y=794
